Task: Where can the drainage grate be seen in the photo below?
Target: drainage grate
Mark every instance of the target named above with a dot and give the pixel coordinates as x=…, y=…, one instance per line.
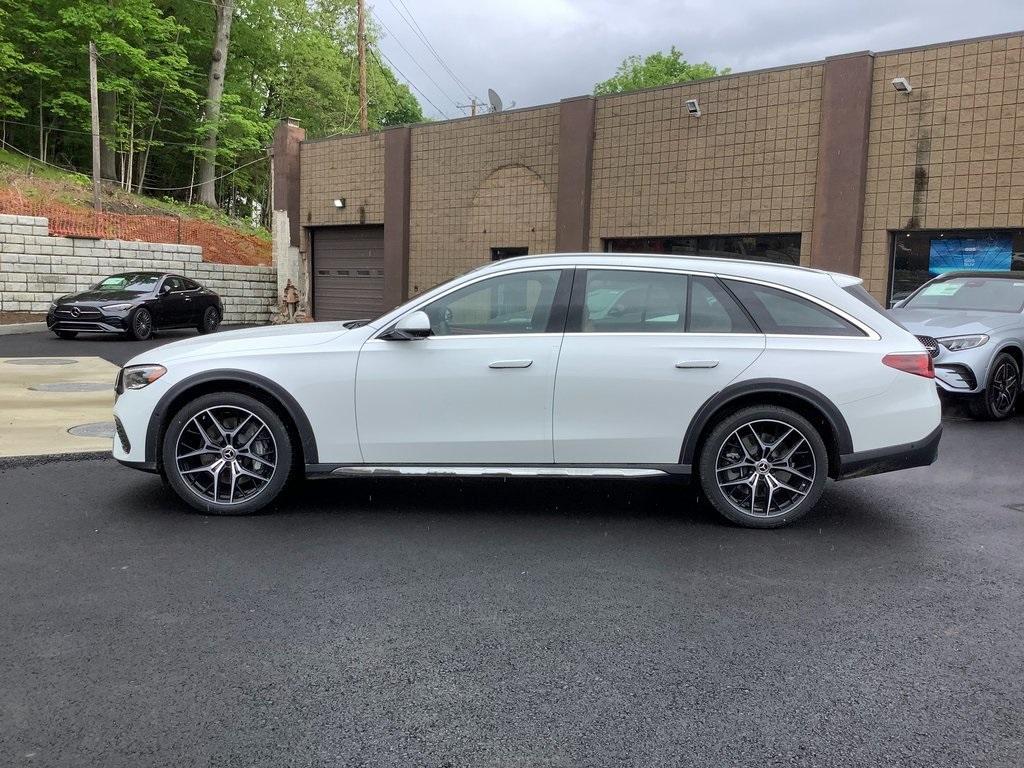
x=96, y=429
x=42, y=361
x=72, y=386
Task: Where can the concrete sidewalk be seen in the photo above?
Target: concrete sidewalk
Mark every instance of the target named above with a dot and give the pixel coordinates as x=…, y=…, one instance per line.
x=37, y=409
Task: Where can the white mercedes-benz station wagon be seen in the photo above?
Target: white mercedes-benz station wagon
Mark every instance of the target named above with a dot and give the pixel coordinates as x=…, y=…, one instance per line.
x=759, y=381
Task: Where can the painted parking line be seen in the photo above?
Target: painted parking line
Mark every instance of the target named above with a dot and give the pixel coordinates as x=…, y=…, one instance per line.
x=42, y=398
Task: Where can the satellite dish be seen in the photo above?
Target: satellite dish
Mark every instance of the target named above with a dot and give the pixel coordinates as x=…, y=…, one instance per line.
x=495, y=99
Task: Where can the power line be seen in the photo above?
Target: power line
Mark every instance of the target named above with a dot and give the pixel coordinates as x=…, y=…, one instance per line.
x=414, y=61
x=418, y=31
x=412, y=85
x=107, y=137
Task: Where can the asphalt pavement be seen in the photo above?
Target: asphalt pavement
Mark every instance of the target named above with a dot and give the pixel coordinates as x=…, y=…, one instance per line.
x=515, y=623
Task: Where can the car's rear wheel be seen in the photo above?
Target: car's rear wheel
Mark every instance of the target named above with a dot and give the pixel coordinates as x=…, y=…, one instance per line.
x=140, y=326
x=209, y=321
x=66, y=334
x=1000, y=396
x=763, y=466
x=227, y=454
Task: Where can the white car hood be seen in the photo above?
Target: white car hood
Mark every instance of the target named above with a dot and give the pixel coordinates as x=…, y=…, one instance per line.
x=245, y=341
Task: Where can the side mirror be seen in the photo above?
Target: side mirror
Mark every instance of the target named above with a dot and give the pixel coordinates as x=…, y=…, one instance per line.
x=165, y=288
x=415, y=325
x=897, y=304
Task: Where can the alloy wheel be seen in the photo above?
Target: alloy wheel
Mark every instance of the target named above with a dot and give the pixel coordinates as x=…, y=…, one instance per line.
x=1004, y=387
x=143, y=324
x=765, y=468
x=226, y=455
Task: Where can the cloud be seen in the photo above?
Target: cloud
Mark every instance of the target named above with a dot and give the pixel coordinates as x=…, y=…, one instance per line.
x=540, y=51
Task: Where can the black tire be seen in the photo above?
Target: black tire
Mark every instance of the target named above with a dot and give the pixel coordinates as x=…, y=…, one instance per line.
x=189, y=476
x=140, y=325
x=66, y=334
x=209, y=321
x=732, y=455
x=998, y=400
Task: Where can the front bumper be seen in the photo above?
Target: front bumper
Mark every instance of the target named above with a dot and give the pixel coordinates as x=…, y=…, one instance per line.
x=920, y=453
x=87, y=323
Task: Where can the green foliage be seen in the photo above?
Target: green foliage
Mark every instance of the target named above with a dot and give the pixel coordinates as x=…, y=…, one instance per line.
x=657, y=69
x=294, y=58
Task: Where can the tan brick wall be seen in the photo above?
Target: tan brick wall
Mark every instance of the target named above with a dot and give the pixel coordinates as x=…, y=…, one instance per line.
x=481, y=183
x=958, y=133
x=349, y=166
x=747, y=165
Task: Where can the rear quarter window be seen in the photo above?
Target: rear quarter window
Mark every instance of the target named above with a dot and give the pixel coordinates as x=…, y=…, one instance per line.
x=783, y=313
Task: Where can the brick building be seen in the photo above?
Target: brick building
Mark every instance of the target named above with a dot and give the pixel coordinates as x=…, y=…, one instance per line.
x=825, y=164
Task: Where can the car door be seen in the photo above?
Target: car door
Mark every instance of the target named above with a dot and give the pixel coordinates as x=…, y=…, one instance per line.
x=168, y=307
x=192, y=302
x=476, y=391
x=643, y=350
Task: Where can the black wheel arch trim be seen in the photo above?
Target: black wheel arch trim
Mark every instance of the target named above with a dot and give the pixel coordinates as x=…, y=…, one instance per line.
x=298, y=416
x=733, y=392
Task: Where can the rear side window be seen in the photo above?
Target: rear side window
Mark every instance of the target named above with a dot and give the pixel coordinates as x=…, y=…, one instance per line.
x=189, y=285
x=632, y=301
x=781, y=312
x=712, y=310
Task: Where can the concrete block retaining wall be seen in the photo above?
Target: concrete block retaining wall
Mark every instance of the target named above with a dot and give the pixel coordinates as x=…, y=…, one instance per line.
x=35, y=268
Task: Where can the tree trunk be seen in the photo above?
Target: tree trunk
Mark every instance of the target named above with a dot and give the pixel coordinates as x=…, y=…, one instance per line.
x=108, y=111
x=214, y=92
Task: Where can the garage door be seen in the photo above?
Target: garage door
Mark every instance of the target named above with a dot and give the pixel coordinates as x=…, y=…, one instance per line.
x=348, y=272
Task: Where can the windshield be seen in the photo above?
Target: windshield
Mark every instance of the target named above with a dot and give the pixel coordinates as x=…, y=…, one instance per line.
x=134, y=282
x=987, y=294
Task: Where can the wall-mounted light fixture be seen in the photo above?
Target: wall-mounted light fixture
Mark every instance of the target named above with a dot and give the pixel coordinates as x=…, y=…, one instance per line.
x=901, y=84
x=339, y=202
x=693, y=107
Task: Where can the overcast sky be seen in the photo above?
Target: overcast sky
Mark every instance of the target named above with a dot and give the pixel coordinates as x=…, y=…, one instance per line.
x=539, y=51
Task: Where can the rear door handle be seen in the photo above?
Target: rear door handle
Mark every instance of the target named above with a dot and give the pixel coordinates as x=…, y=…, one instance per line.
x=697, y=364
x=511, y=364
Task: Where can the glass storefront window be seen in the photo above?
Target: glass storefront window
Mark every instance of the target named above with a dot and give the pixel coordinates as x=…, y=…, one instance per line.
x=920, y=255
x=781, y=248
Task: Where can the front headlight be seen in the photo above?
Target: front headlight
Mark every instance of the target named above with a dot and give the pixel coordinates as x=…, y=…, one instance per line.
x=960, y=343
x=139, y=376
x=117, y=307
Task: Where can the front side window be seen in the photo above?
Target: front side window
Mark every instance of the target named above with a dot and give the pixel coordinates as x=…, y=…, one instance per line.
x=996, y=294
x=518, y=303
x=781, y=312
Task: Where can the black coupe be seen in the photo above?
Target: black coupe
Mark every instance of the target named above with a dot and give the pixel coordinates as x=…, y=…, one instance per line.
x=136, y=304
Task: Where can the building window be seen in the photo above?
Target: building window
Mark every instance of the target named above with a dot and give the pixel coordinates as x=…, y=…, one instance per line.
x=918, y=256
x=775, y=248
x=508, y=252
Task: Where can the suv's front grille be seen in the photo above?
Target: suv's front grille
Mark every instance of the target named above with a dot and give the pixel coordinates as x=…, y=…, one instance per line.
x=78, y=313
x=930, y=344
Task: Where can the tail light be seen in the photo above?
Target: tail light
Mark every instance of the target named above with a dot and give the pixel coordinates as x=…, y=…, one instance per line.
x=917, y=363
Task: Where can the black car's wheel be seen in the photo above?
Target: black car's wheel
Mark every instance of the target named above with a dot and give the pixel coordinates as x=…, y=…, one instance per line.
x=1000, y=395
x=763, y=466
x=226, y=454
x=140, y=326
x=66, y=334
x=209, y=321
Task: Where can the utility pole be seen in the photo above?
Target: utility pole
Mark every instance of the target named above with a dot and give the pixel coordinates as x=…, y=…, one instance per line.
x=95, y=104
x=364, y=124
x=471, y=105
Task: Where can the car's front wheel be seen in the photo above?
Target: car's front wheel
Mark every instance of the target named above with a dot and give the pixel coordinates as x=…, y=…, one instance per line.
x=1000, y=395
x=763, y=466
x=140, y=326
x=227, y=454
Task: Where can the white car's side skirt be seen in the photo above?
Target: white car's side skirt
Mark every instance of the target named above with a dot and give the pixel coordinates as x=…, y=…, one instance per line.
x=363, y=470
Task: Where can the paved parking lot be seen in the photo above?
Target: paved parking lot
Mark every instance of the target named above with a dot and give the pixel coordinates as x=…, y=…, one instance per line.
x=492, y=623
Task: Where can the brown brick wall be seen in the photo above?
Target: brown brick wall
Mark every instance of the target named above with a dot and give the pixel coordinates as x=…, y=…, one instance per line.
x=351, y=167
x=481, y=183
x=746, y=165
x=949, y=154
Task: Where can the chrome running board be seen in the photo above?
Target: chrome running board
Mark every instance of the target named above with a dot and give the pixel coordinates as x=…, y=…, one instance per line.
x=364, y=470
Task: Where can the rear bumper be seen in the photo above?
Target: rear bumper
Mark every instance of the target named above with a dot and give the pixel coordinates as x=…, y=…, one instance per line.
x=920, y=453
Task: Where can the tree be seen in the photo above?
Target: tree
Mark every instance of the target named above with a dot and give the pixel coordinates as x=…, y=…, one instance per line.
x=659, y=68
x=225, y=10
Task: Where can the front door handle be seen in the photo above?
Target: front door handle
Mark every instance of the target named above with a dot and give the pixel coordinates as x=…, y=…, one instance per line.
x=511, y=364
x=697, y=364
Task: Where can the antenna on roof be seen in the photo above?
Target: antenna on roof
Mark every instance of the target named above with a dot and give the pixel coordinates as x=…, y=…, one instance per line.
x=495, y=99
